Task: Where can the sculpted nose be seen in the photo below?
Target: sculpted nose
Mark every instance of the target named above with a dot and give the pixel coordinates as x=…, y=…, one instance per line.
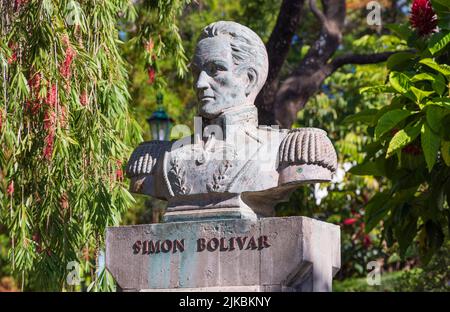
x=202, y=81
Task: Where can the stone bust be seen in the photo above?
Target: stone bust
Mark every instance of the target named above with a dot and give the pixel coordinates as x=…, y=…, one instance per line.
x=233, y=168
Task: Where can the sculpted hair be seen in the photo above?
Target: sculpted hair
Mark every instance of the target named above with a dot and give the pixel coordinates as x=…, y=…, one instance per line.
x=248, y=50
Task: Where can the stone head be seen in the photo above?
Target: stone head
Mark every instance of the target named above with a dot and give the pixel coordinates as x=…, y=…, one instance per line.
x=230, y=67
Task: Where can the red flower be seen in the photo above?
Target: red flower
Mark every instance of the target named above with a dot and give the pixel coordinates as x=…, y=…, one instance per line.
x=13, y=58
x=84, y=98
x=48, y=149
x=423, y=18
x=151, y=75
x=52, y=96
x=62, y=115
x=350, y=221
x=32, y=107
x=18, y=4
x=119, y=172
x=10, y=189
x=65, y=68
x=367, y=241
x=49, y=120
x=35, y=83
x=64, y=201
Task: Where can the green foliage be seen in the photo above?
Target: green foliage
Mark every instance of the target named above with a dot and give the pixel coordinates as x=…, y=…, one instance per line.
x=66, y=131
x=411, y=136
x=434, y=276
x=389, y=283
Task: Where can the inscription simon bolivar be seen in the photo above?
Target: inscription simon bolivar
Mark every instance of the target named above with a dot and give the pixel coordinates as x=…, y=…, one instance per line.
x=148, y=247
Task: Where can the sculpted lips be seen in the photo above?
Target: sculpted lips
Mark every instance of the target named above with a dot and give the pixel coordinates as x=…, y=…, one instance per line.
x=206, y=97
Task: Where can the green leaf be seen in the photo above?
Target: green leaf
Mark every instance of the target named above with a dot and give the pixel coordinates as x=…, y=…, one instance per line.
x=445, y=152
x=434, y=115
x=438, y=41
x=403, y=138
x=430, y=145
x=377, y=89
x=401, y=30
x=376, y=209
x=439, y=84
x=420, y=94
x=395, y=61
x=443, y=69
x=444, y=102
x=366, y=116
x=443, y=3
x=373, y=168
x=389, y=120
x=406, y=235
x=399, y=81
x=430, y=239
x=422, y=77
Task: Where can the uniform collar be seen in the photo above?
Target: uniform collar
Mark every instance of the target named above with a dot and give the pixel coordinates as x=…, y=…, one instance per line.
x=243, y=116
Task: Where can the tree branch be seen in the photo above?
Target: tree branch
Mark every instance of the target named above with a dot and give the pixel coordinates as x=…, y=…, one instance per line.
x=280, y=39
x=359, y=59
x=319, y=14
x=306, y=79
x=278, y=47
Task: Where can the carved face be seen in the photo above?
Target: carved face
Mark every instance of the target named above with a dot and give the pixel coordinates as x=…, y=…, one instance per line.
x=218, y=83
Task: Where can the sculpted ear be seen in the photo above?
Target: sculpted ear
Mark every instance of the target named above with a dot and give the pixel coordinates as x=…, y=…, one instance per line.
x=252, y=75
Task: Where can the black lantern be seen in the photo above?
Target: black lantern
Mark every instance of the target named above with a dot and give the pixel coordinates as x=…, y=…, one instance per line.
x=159, y=121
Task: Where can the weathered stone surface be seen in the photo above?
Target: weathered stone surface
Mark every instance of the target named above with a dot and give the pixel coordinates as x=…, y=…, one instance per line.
x=231, y=168
x=278, y=254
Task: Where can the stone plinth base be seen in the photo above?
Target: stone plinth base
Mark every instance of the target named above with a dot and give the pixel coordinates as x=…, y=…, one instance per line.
x=270, y=254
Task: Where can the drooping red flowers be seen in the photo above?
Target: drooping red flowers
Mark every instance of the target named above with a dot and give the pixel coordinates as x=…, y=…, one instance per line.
x=10, y=189
x=349, y=221
x=52, y=96
x=19, y=3
x=84, y=99
x=423, y=18
x=151, y=75
x=50, y=121
x=64, y=201
x=33, y=106
x=65, y=68
x=119, y=171
x=49, y=125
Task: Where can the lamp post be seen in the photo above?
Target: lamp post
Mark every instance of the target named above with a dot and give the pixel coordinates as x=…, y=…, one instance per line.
x=159, y=121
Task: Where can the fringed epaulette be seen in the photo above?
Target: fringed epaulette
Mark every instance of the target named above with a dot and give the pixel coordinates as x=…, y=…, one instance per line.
x=309, y=146
x=144, y=157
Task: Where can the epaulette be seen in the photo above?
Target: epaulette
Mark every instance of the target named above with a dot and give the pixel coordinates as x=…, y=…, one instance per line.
x=144, y=157
x=309, y=146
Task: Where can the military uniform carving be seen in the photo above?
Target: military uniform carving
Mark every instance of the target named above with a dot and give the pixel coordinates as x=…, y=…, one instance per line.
x=224, y=178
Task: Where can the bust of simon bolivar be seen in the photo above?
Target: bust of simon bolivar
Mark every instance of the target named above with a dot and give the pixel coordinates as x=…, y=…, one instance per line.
x=232, y=168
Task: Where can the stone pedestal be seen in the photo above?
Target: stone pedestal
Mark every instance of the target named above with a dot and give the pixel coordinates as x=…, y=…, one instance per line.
x=270, y=254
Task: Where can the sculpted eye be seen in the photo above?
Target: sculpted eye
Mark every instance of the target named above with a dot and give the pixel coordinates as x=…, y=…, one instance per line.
x=214, y=68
